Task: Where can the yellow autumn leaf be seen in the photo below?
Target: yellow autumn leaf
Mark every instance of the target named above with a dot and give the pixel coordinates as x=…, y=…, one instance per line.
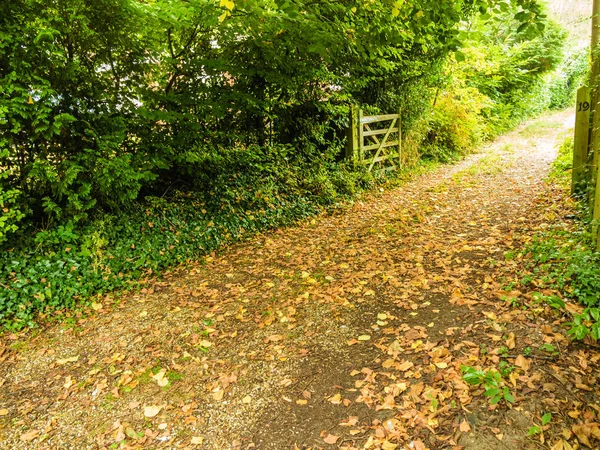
x=336, y=399
x=61, y=362
x=364, y=337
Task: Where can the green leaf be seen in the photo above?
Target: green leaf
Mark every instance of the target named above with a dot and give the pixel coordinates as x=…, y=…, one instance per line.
x=546, y=418
x=508, y=396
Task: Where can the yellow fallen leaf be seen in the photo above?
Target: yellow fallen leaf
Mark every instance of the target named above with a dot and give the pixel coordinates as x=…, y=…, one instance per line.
x=247, y=399
x=218, y=395
x=61, y=362
x=336, y=399
x=151, y=411
x=197, y=440
x=364, y=337
x=97, y=306
x=205, y=344
x=382, y=316
x=388, y=363
x=301, y=402
x=3, y=412
x=68, y=382
x=441, y=365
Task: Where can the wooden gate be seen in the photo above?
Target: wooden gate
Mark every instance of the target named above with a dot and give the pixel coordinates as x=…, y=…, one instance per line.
x=367, y=148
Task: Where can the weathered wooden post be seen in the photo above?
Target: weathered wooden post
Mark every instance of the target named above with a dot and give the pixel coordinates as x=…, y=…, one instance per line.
x=361, y=136
x=581, y=141
x=352, y=143
x=399, y=137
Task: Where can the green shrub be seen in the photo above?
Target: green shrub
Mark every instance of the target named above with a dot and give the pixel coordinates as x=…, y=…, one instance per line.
x=568, y=77
x=240, y=192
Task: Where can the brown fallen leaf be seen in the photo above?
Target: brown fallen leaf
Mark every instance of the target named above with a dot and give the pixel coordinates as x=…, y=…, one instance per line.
x=510, y=342
x=522, y=362
x=29, y=436
x=405, y=366
x=465, y=427
x=331, y=439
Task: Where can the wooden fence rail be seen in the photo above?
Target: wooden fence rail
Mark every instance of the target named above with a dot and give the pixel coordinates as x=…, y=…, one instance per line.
x=364, y=145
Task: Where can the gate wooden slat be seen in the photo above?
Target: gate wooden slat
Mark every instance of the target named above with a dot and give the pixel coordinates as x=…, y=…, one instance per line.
x=362, y=153
x=376, y=146
x=377, y=132
x=372, y=119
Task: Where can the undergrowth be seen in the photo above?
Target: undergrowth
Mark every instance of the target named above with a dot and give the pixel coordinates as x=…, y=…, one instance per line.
x=563, y=259
x=61, y=268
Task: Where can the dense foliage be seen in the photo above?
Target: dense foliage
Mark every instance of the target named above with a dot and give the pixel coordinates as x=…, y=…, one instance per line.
x=497, y=80
x=121, y=120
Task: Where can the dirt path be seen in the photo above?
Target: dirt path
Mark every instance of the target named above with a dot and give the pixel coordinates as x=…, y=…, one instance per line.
x=348, y=331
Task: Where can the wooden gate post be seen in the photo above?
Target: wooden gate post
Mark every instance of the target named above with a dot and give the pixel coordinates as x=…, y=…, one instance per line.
x=581, y=140
x=399, y=122
x=352, y=142
x=361, y=136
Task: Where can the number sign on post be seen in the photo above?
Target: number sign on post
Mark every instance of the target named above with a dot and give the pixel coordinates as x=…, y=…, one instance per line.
x=582, y=129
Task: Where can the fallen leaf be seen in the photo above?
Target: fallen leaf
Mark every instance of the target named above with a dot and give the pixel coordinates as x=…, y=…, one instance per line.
x=30, y=435
x=388, y=363
x=151, y=411
x=522, y=362
x=301, y=402
x=465, y=427
x=405, y=366
x=197, y=440
x=364, y=337
x=331, y=439
x=247, y=399
x=510, y=342
x=3, y=412
x=336, y=399
x=61, y=362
